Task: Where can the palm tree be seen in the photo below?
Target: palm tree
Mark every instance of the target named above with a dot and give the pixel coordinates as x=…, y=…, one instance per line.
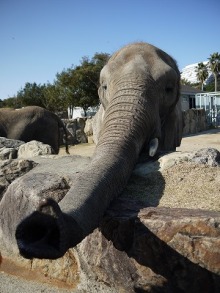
x=201, y=73
x=214, y=64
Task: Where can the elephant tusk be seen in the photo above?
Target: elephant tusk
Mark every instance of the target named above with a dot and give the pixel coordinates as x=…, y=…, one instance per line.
x=153, y=145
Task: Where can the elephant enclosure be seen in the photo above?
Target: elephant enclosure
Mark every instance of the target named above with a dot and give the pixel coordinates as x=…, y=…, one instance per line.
x=183, y=185
x=180, y=184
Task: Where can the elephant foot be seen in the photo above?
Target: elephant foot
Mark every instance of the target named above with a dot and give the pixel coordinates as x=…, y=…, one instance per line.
x=47, y=232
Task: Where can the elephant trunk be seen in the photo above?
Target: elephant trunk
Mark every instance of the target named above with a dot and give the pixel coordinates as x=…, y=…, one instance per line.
x=127, y=125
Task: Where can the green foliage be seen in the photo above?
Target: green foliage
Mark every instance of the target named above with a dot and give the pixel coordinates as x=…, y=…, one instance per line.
x=211, y=86
x=31, y=94
x=185, y=82
x=79, y=84
x=214, y=64
x=201, y=73
x=75, y=86
x=12, y=102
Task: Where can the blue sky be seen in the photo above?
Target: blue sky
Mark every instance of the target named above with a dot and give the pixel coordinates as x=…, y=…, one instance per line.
x=39, y=38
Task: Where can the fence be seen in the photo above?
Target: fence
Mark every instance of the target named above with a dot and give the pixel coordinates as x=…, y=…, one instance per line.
x=211, y=103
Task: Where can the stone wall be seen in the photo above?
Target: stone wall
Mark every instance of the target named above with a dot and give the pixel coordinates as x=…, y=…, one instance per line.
x=80, y=130
x=75, y=130
x=194, y=121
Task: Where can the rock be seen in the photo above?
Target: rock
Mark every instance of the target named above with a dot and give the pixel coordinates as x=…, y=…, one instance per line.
x=194, y=121
x=34, y=148
x=9, y=148
x=154, y=249
x=10, y=143
x=136, y=249
x=71, y=126
x=51, y=177
x=88, y=126
x=80, y=136
x=75, y=128
x=42, y=181
x=8, y=153
x=62, y=272
x=207, y=156
x=12, y=169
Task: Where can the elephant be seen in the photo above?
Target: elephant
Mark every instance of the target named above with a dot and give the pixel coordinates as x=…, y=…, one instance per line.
x=140, y=111
x=32, y=123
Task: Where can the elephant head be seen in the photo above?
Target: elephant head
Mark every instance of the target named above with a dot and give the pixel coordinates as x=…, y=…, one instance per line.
x=140, y=110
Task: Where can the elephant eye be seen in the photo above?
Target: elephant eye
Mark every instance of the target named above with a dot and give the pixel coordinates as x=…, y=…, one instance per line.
x=104, y=87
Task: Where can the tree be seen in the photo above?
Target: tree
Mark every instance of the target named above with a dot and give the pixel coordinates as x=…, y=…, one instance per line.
x=201, y=73
x=12, y=102
x=184, y=81
x=214, y=64
x=211, y=86
x=31, y=94
x=53, y=98
x=47, y=96
x=79, y=84
x=75, y=86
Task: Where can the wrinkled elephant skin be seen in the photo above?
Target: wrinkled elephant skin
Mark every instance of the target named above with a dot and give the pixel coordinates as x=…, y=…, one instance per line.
x=32, y=123
x=140, y=110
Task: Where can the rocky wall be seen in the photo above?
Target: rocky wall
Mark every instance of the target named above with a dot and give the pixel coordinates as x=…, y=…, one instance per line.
x=81, y=129
x=137, y=248
x=194, y=121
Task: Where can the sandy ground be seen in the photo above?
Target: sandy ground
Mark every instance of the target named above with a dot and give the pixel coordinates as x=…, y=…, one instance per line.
x=189, y=185
x=182, y=185
x=209, y=138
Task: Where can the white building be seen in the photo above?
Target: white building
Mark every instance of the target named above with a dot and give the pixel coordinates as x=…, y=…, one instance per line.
x=78, y=112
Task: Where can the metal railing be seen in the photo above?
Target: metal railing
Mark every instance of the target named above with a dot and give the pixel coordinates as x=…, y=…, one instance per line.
x=210, y=101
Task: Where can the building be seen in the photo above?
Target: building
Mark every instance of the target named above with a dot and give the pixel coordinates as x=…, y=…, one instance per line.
x=187, y=95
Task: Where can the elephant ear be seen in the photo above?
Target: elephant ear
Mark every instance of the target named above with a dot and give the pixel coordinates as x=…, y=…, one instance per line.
x=97, y=123
x=172, y=129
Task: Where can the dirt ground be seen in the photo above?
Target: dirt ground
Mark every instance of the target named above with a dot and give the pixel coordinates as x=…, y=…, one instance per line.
x=183, y=185
x=209, y=138
x=191, y=185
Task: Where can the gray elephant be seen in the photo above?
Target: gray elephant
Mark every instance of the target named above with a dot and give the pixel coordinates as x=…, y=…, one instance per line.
x=32, y=123
x=140, y=110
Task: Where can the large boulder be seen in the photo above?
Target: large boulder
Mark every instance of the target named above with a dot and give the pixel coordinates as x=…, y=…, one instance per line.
x=76, y=132
x=10, y=143
x=137, y=248
x=9, y=148
x=208, y=156
x=12, y=169
x=154, y=249
x=88, y=126
x=34, y=148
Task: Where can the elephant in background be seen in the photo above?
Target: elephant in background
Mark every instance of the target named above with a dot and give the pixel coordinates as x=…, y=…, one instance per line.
x=140, y=110
x=32, y=123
